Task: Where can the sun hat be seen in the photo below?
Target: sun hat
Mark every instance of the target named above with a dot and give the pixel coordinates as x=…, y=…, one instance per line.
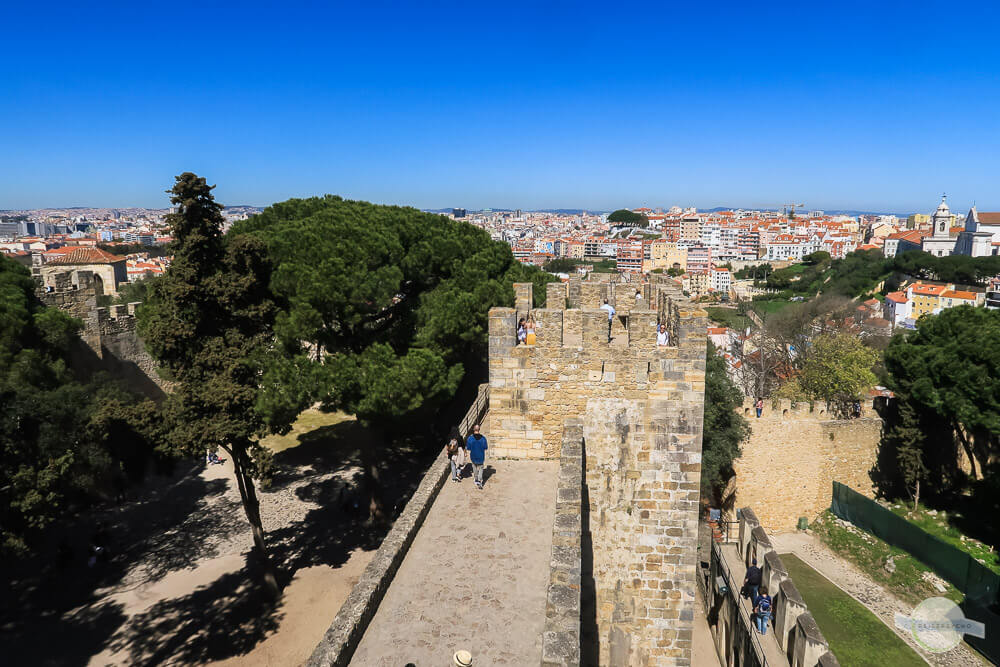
x=462, y=659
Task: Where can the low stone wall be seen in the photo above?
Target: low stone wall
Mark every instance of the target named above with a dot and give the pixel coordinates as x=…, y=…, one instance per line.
x=795, y=630
x=344, y=634
x=561, y=637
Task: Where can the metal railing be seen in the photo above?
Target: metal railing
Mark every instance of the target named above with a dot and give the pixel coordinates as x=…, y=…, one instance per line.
x=745, y=615
x=476, y=411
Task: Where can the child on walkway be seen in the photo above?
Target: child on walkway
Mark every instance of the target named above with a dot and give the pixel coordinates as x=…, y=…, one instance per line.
x=455, y=450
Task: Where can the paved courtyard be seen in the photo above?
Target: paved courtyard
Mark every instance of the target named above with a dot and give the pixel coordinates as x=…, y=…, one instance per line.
x=475, y=577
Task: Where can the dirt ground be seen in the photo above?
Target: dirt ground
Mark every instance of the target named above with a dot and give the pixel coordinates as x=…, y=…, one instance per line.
x=178, y=587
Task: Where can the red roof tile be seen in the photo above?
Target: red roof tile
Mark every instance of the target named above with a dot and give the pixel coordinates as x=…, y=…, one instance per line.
x=86, y=255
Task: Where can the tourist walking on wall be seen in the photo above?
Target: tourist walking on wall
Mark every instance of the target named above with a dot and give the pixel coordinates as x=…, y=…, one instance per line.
x=611, y=315
x=751, y=582
x=662, y=337
x=762, y=610
x=476, y=447
x=760, y=406
x=455, y=450
x=529, y=330
x=522, y=332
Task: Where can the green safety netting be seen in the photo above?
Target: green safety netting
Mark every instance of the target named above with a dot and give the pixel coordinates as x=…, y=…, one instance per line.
x=979, y=584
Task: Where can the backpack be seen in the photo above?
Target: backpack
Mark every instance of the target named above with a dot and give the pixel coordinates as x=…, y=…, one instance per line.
x=764, y=606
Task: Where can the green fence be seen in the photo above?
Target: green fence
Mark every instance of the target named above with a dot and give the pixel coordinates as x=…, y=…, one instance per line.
x=979, y=584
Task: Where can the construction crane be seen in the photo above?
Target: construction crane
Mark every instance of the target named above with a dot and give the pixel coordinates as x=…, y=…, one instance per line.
x=792, y=207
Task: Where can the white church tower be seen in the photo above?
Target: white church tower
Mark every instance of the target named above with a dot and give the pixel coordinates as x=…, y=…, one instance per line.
x=941, y=243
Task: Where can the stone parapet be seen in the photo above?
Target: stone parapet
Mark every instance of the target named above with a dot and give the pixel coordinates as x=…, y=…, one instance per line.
x=561, y=637
x=795, y=629
x=344, y=634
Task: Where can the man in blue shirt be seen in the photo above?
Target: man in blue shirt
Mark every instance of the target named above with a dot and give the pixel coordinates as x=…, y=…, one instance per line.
x=476, y=446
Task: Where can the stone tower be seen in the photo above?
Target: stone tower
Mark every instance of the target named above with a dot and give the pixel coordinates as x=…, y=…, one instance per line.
x=635, y=410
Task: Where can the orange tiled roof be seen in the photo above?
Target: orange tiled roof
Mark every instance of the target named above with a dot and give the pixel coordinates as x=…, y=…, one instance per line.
x=929, y=290
x=959, y=294
x=898, y=297
x=87, y=255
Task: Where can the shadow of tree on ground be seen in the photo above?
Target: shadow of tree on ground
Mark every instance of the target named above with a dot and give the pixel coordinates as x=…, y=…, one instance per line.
x=230, y=616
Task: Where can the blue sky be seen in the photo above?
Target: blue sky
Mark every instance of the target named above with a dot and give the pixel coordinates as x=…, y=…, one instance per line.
x=876, y=106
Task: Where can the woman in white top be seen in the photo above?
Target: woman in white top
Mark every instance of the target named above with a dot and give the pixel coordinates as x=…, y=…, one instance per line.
x=662, y=337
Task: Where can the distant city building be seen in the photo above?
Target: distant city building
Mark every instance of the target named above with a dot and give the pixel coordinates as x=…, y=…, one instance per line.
x=981, y=236
x=458, y=212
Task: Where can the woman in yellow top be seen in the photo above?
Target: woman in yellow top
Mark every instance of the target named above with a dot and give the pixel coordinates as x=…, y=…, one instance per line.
x=530, y=329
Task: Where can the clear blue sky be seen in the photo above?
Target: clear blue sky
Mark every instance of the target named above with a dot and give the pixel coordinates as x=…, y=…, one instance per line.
x=874, y=105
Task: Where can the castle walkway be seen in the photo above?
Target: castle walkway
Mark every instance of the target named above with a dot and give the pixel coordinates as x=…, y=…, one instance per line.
x=772, y=654
x=475, y=577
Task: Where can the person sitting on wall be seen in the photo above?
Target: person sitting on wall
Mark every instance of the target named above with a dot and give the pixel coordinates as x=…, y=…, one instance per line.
x=762, y=610
x=522, y=332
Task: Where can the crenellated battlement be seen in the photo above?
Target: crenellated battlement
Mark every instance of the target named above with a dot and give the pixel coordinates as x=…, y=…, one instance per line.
x=787, y=410
x=634, y=410
x=109, y=332
x=573, y=359
x=117, y=318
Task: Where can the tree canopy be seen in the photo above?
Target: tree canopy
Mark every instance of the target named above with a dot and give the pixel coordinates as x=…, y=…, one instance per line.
x=623, y=216
x=391, y=300
x=64, y=441
x=209, y=321
x=948, y=367
x=386, y=309
x=724, y=430
x=838, y=369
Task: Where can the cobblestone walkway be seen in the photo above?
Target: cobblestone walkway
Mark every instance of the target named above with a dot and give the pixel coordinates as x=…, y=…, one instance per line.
x=475, y=576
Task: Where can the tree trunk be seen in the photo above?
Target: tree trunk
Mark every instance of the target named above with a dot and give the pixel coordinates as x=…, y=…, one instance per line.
x=916, y=496
x=968, y=450
x=373, y=481
x=251, y=507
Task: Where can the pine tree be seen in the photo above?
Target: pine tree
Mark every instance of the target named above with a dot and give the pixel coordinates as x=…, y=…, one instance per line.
x=209, y=321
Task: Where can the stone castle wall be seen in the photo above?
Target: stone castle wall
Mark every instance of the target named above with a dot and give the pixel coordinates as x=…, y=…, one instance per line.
x=641, y=410
x=109, y=334
x=795, y=453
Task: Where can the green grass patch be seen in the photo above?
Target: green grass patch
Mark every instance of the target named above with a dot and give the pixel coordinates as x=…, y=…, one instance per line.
x=870, y=554
x=306, y=423
x=770, y=305
x=728, y=317
x=856, y=636
x=941, y=525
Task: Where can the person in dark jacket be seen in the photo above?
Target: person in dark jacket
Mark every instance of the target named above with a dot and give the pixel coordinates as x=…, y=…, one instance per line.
x=751, y=582
x=476, y=446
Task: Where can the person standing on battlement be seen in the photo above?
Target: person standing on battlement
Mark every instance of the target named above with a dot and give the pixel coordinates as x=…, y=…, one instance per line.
x=611, y=315
x=476, y=446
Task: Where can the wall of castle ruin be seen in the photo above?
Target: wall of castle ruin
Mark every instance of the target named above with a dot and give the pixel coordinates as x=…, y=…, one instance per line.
x=795, y=453
x=111, y=342
x=641, y=409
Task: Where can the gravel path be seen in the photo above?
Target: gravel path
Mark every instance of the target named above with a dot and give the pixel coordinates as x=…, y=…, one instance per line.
x=854, y=582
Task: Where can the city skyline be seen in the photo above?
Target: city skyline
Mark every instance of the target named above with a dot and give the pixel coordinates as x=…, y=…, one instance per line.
x=843, y=107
